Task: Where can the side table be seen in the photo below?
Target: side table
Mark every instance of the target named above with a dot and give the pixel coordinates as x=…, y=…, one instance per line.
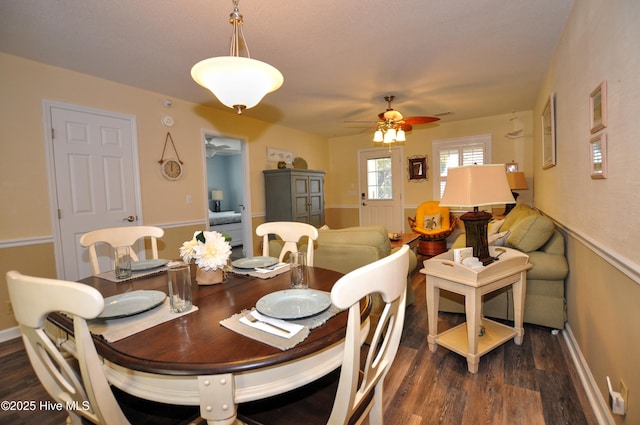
x=406, y=239
x=477, y=335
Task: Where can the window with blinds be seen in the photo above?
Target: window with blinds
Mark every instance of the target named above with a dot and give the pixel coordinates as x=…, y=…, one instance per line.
x=458, y=152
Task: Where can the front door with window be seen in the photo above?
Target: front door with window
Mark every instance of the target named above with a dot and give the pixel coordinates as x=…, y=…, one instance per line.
x=381, y=189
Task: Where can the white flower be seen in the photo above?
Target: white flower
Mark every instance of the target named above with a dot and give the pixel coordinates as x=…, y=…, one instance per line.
x=210, y=250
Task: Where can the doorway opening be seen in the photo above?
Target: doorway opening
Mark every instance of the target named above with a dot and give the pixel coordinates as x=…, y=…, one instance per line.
x=227, y=191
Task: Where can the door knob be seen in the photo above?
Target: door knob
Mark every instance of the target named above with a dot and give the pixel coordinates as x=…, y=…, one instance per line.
x=130, y=219
x=364, y=204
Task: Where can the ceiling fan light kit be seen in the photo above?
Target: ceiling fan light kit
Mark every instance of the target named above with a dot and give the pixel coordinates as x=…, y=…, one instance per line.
x=238, y=82
x=392, y=127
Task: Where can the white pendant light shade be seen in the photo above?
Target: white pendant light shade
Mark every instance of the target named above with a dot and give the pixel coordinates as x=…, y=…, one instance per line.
x=400, y=136
x=236, y=81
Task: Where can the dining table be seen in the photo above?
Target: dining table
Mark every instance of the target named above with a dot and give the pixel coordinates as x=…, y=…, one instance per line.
x=193, y=360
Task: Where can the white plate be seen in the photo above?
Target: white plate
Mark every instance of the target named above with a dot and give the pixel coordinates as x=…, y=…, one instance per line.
x=293, y=303
x=253, y=262
x=137, y=266
x=131, y=303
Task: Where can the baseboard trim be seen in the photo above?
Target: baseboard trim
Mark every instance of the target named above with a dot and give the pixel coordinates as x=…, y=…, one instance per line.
x=9, y=334
x=598, y=404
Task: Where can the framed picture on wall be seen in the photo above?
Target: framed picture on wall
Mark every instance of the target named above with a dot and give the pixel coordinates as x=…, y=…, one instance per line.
x=598, y=107
x=418, y=168
x=598, y=153
x=549, y=133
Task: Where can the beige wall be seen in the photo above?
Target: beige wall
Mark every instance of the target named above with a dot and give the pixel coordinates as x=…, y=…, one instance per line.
x=600, y=42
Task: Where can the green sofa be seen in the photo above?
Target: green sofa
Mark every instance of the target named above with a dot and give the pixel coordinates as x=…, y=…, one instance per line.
x=344, y=250
x=525, y=229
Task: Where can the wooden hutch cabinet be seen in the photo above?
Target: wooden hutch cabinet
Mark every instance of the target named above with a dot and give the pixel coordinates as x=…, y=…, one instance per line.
x=294, y=195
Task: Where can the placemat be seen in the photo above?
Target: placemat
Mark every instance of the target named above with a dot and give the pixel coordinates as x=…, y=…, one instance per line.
x=111, y=275
x=233, y=323
x=263, y=273
x=116, y=329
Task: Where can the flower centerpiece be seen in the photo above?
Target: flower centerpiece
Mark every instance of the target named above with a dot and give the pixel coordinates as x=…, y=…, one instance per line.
x=211, y=252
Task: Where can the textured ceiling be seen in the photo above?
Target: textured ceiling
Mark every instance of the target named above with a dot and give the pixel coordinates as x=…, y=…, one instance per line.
x=339, y=58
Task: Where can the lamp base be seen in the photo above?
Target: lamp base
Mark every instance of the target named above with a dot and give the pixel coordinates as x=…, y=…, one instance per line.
x=475, y=226
x=216, y=206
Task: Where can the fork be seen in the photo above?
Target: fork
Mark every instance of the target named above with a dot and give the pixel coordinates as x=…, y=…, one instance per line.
x=250, y=317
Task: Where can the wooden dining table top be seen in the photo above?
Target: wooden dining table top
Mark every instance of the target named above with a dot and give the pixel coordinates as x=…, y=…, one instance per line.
x=196, y=343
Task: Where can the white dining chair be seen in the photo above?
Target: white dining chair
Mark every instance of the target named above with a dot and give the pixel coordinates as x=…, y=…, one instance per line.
x=81, y=389
x=290, y=232
x=359, y=390
x=120, y=236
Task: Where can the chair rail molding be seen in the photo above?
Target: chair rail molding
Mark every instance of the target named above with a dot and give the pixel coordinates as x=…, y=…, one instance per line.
x=36, y=240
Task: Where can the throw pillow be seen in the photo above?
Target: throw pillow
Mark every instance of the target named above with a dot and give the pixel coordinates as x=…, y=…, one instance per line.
x=530, y=233
x=494, y=227
x=518, y=212
x=432, y=221
x=499, y=238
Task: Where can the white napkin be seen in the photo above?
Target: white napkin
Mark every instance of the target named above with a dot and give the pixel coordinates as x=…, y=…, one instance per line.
x=269, y=269
x=291, y=327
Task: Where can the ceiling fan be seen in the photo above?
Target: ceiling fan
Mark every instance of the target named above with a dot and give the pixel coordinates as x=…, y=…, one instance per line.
x=212, y=149
x=391, y=116
x=394, y=119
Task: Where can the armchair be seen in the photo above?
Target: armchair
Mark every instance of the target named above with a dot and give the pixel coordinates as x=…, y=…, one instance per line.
x=435, y=224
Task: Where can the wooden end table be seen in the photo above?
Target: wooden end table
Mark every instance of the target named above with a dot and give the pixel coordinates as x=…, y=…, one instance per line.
x=477, y=335
x=410, y=239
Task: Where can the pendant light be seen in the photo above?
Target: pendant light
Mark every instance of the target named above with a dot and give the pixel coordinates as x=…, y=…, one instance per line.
x=238, y=82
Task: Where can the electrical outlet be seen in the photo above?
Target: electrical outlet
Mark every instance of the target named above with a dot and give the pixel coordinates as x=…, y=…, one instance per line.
x=624, y=392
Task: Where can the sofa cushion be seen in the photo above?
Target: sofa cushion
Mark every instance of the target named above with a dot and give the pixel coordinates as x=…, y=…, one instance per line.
x=555, y=244
x=518, y=212
x=547, y=267
x=530, y=233
x=374, y=236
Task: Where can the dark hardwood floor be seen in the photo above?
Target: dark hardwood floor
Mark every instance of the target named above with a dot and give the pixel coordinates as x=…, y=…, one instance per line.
x=534, y=383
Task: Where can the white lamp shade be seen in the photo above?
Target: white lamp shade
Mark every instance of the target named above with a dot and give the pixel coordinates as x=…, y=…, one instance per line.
x=390, y=135
x=476, y=185
x=217, y=195
x=400, y=136
x=377, y=136
x=237, y=80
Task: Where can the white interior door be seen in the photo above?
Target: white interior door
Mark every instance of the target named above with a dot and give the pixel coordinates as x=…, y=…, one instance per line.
x=95, y=171
x=381, y=189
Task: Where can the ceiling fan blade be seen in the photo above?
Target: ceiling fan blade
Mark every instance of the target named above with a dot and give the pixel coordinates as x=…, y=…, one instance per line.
x=405, y=126
x=421, y=120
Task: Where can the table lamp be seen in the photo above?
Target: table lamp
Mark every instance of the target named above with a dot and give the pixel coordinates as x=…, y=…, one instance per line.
x=517, y=181
x=216, y=197
x=475, y=186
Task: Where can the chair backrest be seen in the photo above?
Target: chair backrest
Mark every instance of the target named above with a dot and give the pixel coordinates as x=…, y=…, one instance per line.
x=33, y=298
x=290, y=232
x=120, y=236
x=388, y=278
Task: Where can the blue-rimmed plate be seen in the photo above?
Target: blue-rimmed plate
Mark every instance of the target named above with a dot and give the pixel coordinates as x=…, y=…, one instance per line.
x=141, y=265
x=253, y=262
x=131, y=303
x=294, y=303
